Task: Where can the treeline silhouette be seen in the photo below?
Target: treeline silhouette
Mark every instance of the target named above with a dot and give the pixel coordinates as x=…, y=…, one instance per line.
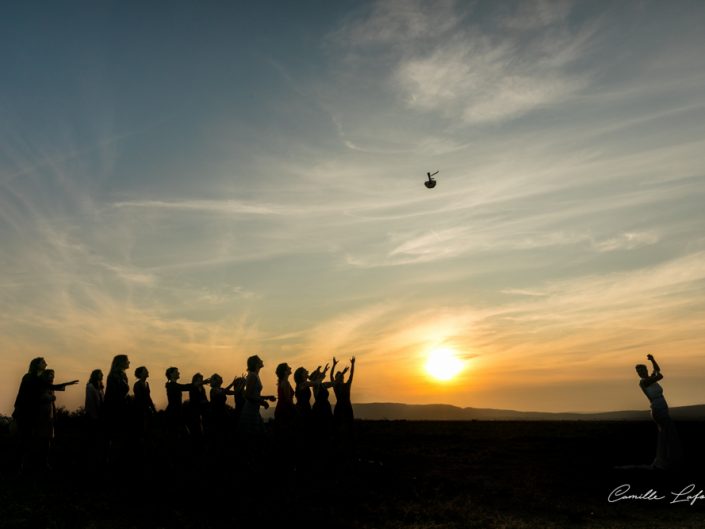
x=220, y=427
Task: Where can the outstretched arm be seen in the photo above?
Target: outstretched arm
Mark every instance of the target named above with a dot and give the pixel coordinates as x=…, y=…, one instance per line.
x=352, y=370
x=62, y=386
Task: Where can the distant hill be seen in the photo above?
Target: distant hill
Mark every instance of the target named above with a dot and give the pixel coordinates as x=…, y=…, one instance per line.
x=446, y=412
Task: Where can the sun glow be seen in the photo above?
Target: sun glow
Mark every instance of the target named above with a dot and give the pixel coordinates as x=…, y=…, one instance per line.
x=443, y=364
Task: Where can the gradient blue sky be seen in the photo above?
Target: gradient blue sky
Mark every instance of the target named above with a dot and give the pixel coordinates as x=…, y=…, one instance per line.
x=192, y=183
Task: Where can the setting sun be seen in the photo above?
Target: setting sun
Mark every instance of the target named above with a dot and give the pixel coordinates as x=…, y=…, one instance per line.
x=443, y=364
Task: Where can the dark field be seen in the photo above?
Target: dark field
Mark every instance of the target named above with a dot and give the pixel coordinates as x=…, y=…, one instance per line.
x=405, y=474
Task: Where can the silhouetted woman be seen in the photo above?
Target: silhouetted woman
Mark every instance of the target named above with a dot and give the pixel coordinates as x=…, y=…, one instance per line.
x=668, y=451
x=303, y=395
x=197, y=410
x=343, y=413
x=285, y=416
x=321, y=411
x=28, y=405
x=95, y=394
x=304, y=421
x=239, y=394
x=144, y=408
x=217, y=426
x=251, y=426
x=47, y=416
x=285, y=411
x=116, y=405
x=176, y=422
x=219, y=399
x=251, y=421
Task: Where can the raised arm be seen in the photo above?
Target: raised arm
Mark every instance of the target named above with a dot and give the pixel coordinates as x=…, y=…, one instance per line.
x=352, y=370
x=655, y=376
x=650, y=357
x=335, y=362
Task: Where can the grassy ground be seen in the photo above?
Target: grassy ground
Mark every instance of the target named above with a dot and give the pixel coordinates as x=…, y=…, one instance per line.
x=405, y=474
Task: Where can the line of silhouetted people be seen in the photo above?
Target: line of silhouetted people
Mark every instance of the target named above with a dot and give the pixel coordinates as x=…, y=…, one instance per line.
x=122, y=424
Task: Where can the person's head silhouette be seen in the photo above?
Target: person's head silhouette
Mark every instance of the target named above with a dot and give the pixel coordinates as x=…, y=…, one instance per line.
x=120, y=363
x=37, y=365
x=300, y=375
x=283, y=371
x=254, y=364
x=216, y=380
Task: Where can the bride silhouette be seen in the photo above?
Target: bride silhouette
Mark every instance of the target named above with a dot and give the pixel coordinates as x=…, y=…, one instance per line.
x=668, y=451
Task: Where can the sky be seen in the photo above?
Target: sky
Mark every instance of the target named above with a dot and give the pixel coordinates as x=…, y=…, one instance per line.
x=191, y=183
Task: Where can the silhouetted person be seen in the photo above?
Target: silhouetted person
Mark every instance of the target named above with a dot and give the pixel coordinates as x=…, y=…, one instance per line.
x=302, y=392
x=46, y=417
x=285, y=417
x=28, y=405
x=26, y=412
x=95, y=395
x=197, y=410
x=321, y=411
x=143, y=406
x=219, y=399
x=668, y=451
x=251, y=426
x=116, y=406
x=176, y=422
x=239, y=394
x=217, y=427
x=343, y=414
x=304, y=434
x=285, y=411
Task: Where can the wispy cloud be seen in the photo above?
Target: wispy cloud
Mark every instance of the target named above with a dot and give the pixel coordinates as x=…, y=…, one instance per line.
x=215, y=206
x=474, y=71
x=482, y=82
x=398, y=24
x=626, y=241
x=523, y=292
